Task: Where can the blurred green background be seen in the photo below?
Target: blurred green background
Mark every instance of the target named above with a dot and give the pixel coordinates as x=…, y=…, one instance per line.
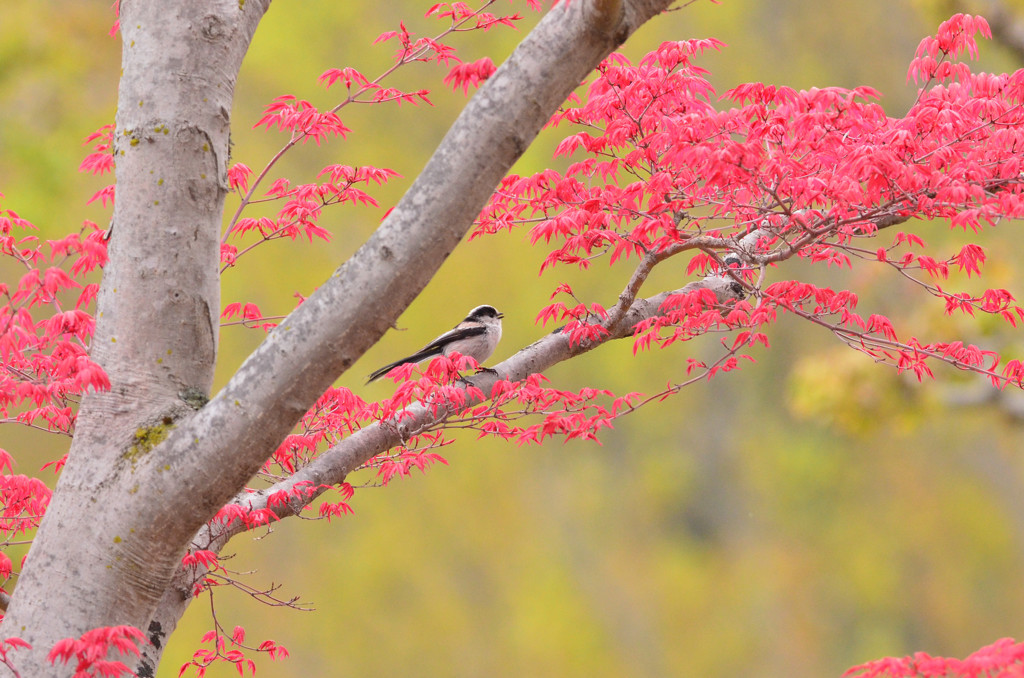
x=807, y=513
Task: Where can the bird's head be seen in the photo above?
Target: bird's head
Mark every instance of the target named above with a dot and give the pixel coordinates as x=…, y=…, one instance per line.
x=484, y=312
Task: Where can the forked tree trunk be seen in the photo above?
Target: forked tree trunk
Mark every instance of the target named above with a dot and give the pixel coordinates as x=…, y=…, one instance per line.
x=146, y=470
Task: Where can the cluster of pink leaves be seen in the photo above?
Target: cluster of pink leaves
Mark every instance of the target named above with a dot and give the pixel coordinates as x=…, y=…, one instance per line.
x=89, y=654
x=231, y=650
x=658, y=170
x=23, y=501
x=90, y=651
x=45, y=324
x=303, y=204
x=1002, y=659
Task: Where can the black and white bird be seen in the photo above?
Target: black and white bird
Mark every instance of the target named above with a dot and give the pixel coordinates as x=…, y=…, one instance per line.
x=477, y=336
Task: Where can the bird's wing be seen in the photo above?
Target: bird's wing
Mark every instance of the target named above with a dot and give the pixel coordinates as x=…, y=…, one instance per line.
x=456, y=334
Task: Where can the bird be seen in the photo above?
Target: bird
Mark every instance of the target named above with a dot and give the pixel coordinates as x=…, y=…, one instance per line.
x=476, y=336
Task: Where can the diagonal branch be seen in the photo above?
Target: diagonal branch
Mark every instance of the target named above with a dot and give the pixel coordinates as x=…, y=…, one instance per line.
x=331, y=467
x=334, y=465
x=352, y=310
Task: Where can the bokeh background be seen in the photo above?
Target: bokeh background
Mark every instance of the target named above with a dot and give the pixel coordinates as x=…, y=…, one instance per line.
x=809, y=512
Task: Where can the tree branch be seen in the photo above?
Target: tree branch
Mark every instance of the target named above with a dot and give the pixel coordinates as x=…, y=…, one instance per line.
x=335, y=464
x=332, y=467
x=352, y=310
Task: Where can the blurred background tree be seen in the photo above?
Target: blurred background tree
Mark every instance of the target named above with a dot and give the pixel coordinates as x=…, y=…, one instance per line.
x=804, y=514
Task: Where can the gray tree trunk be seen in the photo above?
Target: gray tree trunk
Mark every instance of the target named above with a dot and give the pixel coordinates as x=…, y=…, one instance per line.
x=146, y=470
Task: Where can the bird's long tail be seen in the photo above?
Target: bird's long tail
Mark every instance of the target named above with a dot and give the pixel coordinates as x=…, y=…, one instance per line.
x=414, y=358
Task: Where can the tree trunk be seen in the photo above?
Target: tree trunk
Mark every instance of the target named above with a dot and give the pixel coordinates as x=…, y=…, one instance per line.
x=102, y=556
